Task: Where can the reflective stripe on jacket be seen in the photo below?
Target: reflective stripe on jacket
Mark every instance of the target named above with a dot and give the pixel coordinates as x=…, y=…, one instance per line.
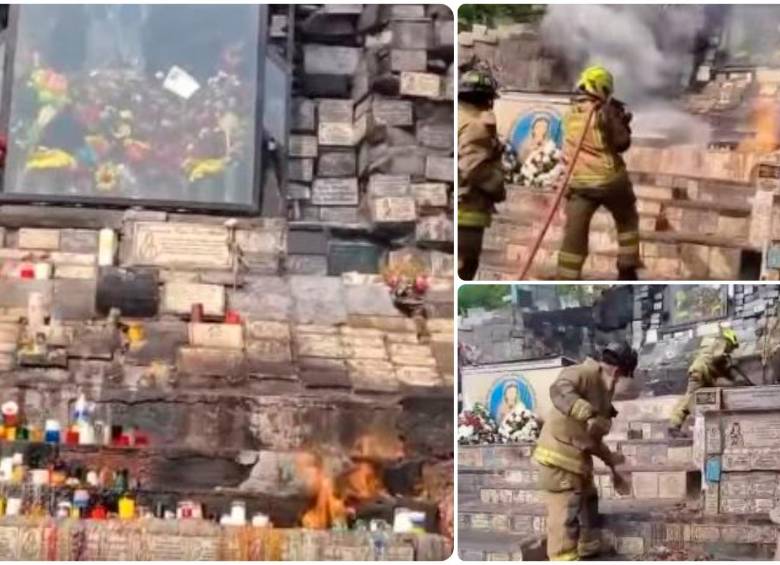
x=599, y=161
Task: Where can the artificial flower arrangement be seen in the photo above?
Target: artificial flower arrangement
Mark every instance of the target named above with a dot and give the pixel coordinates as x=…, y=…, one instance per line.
x=408, y=279
x=477, y=427
x=119, y=130
x=540, y=169
x=520, y=425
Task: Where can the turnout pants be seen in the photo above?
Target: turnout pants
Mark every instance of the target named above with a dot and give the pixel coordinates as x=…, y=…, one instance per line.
x=469, y=249
x=617, y=197
x=684, y=406
x=572, y=514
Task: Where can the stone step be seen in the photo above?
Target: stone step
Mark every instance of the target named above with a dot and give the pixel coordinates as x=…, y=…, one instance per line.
x=500, y=546
x=654, y=453
x=646, y=485
x=632, y=528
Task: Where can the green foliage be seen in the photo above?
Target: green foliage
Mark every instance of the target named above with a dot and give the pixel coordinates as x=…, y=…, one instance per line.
x=494, y=14
x=487, y=296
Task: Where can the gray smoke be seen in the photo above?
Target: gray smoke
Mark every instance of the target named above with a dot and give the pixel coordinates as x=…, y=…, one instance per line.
x=647, y=48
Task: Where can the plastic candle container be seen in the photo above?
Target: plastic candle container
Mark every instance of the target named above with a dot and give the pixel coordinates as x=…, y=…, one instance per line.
x=126, y=508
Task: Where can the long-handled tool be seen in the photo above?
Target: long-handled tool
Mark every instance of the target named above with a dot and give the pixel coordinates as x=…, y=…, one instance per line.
x=558, y=197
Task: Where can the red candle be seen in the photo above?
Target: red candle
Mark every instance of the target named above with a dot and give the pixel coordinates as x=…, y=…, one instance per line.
x=72, y=437
x=98, y=513
x=232, y=317
x=27, y=272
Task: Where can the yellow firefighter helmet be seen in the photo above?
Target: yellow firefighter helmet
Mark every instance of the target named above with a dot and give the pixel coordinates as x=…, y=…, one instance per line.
x=598, y=81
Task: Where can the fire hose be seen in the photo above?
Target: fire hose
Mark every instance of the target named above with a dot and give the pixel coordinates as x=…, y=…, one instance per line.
x=558, y=197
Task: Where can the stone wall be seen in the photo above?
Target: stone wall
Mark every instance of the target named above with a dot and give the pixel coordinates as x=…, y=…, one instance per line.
x=371, y=144
x=321, y=358
x=156, y=540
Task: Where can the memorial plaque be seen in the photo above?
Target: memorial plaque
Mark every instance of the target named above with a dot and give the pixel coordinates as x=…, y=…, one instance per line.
x=182, y=244
x=335, y=192
x=335, y=110
x=75, y=272
x=713, y=439
x=423, y=85
x=337, y=164
x=296, y=191
x=348, y=257
x=331, y=60
x=135, y=293
x=336, y=134
x=10, y=541
x=765, y=458
x=160, y=547
x=393, y=210
x=178, y=298
x=736, y=506
x=761, y=217
x=393, y=112
x=219, y=336
x=388, y=185
x=340, y=214
x=736, y=460
x=79, y=241
x=320, y=345
x=415, y=60
x=407, y=11
x=302, y=146
x=444, y=33
x=439, y=168
x=269, y=351
x=30, y=238
x=751, y=398
x=434, y=229
x=436, y=136
x=412, y=34
x=303, y=115
x=754, y=430
x=301, y=170
x=301, y=264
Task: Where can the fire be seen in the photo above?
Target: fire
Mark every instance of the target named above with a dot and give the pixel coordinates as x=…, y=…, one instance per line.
x=334, y=494
x=764, y=119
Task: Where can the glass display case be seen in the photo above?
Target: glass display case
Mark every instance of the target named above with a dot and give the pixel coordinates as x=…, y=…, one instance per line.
x=155, y=105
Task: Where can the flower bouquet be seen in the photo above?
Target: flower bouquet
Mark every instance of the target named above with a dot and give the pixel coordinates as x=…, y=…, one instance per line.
x=476, y=427
x=542, y=167
x=519, y=425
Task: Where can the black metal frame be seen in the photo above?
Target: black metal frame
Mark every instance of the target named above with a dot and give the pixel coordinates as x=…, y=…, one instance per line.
x=251, y=209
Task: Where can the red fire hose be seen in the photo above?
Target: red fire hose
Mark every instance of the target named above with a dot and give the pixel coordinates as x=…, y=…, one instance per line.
x=557, y=202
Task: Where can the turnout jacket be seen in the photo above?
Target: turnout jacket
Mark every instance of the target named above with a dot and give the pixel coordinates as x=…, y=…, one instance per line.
x=577, y=395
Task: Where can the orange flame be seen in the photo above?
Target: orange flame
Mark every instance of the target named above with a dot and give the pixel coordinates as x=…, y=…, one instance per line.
x=333, y=497
x=764, y=119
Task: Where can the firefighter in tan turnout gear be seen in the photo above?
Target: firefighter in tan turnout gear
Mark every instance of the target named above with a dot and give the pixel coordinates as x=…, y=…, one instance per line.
x=712, y=366
x=599, y=176
x=480, y=176
x=571, y=435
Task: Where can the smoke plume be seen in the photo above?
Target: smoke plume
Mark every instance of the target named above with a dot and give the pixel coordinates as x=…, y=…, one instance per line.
x=649, y=49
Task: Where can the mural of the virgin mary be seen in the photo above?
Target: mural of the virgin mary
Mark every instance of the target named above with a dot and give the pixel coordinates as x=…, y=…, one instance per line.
x=508, y=394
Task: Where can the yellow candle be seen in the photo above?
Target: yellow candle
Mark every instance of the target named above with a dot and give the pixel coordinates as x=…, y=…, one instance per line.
x=126, y=508
x=10, y=433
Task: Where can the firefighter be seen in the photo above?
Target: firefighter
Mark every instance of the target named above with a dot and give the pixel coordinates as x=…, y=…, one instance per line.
x=480, y=176
x=581, y=416
x=712, y=366
x=599, y=176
